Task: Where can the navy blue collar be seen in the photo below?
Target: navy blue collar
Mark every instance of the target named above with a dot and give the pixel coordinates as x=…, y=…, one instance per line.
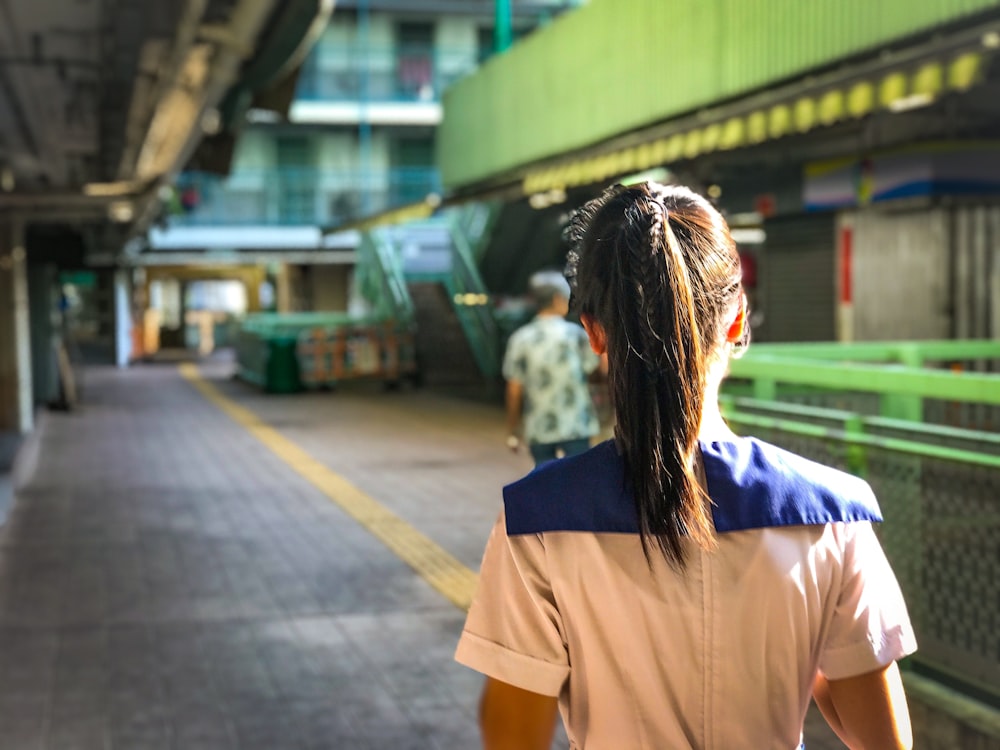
x=752, y=485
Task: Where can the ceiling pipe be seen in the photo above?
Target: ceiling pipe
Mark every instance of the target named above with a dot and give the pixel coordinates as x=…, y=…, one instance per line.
x=177, y=126
x=143, y=111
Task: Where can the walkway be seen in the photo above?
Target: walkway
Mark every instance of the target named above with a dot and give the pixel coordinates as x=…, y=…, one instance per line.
x=167, y=581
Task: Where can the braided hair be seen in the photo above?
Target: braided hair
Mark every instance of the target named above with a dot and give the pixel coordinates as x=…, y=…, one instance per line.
x=657, y=268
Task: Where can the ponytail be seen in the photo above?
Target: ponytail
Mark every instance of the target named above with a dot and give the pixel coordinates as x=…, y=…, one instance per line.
x=633, y=277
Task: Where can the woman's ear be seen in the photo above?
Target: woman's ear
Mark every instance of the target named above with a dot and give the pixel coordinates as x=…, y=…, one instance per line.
x=596, y=333
x=738, y=325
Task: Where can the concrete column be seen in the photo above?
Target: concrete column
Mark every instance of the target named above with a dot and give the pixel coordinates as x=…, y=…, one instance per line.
x=123, y=318
x=283, y=289
x=42, y=298
x=16, y=410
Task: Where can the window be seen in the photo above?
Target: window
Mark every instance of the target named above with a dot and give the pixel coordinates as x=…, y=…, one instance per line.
x=415, y=60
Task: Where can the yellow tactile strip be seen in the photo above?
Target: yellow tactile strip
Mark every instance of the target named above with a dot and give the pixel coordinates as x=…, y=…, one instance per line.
x=431, y=562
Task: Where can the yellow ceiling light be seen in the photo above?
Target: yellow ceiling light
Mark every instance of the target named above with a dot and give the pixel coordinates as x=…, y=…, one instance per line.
x=757, y=127
x=929, y=79
x=661, y=151
x=963, y=71
x=805, y=114
x=675, y=149
x=692, y=144
x=861, y=99
x=779, y=120
x=711, y=137
x=892, y=87
x=831, y=107
x=733, y=133
x=626, y=161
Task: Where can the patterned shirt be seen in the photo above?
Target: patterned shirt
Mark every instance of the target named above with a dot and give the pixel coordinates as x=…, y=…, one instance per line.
x=551, y=358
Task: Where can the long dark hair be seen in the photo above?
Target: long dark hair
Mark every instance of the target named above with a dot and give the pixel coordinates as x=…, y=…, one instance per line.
x=657, y=268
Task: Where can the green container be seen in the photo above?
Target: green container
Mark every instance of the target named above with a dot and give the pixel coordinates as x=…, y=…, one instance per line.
x=282, y=366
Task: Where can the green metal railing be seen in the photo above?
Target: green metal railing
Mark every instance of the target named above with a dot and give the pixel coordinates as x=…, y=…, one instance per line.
x=939, y=381
x=380, y=278
x=478, y=320
x=475, y=220
x=938, y=483
x=356, y=71
x=941, y=529
x=295, y=196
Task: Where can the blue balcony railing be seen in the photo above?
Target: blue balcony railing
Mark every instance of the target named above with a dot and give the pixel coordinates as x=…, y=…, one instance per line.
x=382, y=74
x=287, y=197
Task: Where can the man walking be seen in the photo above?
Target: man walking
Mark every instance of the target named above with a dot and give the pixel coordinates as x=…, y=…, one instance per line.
x=546, y=367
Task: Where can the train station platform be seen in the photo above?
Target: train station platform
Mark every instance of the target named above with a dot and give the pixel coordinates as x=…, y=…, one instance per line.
x=191, y=565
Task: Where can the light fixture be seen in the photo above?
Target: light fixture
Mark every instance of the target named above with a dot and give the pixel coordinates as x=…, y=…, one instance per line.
x=121, y=212
x=259, y=116
x=748, y=235
x=211, y=121
x=470, y=299
x=913, y=101
x=552, y=197
x=656, y=174
x=109, y=189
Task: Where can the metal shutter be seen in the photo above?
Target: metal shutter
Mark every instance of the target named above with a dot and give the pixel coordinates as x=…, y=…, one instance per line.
x=796, y=280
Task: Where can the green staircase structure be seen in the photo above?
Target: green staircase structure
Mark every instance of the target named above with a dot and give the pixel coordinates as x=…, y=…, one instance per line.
x=438, y=280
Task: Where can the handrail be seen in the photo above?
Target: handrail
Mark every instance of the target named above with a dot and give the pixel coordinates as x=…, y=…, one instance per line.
x=906, y=352
x=868, y=378
x=284, y=195
x=909, y=447
x=355, y=71
x=477, y=320
x=868, y=421
x=476, y=220
x=936, y=483
x=380, y=278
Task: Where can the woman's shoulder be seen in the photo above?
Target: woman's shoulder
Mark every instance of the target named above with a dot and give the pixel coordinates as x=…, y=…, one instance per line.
x=585, y=493
x=754, y=484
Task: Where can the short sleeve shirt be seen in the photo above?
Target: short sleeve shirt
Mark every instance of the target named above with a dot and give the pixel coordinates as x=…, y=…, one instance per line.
x=552, y=358
x=721, y=655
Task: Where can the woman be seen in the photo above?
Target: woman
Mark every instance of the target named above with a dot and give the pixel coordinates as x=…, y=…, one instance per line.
x=681, y=587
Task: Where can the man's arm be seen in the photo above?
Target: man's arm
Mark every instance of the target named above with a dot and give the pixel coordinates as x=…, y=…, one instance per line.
x=515, y=403
x=514, y=719
x=868, y=712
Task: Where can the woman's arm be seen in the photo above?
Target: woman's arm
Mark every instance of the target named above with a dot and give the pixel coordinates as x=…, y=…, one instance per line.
x=514, y=719
x=868, y=712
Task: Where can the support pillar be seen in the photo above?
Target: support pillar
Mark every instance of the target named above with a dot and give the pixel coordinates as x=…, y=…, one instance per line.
x=123, y=318
x=16, y=409
x=502, y=25
x=283, y=289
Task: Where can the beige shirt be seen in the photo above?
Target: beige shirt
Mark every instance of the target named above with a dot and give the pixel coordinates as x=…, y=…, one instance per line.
x=720, y=656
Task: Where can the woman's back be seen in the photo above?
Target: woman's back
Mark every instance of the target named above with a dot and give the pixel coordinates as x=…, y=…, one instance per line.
x=721, y=655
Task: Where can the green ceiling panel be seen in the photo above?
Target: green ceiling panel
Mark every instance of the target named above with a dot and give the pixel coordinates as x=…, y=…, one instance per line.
x=615, y=65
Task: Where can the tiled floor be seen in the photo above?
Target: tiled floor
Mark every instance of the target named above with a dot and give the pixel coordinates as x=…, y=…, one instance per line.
x=167, y=582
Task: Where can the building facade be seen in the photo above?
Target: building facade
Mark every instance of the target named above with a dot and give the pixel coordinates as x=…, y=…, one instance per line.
x=359, y=139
